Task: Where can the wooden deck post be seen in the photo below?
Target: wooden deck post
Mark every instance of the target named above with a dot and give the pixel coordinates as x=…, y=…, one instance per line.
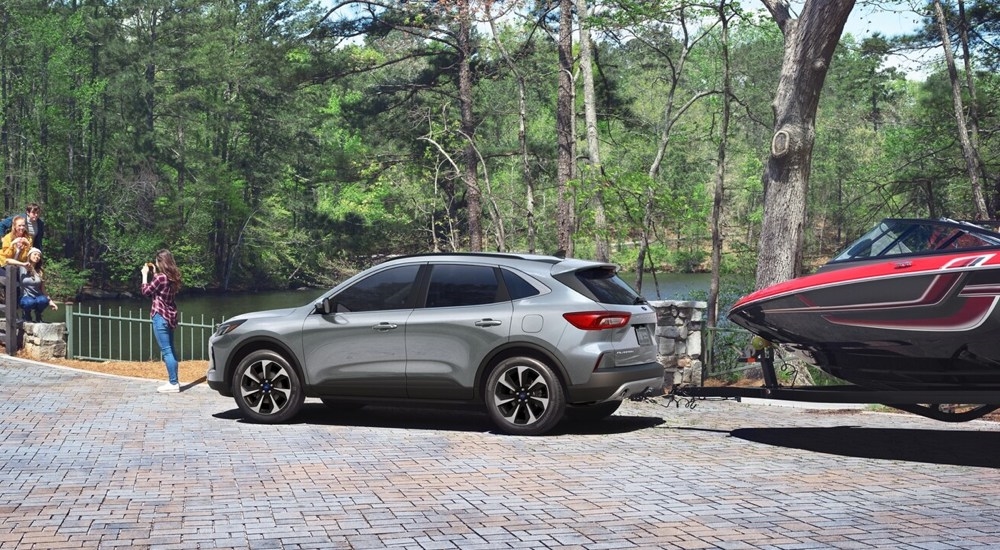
x=9, y=307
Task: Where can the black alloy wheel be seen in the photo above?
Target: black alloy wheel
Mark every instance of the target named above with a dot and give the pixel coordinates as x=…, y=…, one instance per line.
x=267, y=388
x=524, y=396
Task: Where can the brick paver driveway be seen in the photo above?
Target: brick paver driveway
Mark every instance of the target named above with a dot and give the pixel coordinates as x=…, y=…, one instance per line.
x=88, y=461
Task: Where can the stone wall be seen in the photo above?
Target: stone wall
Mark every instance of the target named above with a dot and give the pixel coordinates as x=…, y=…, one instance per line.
x=42, y=341
x=679, y=332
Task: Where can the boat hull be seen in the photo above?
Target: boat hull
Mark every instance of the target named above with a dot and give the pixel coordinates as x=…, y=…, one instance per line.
x=924, y=323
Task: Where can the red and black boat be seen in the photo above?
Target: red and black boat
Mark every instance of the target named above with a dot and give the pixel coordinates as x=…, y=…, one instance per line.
x=907, y=313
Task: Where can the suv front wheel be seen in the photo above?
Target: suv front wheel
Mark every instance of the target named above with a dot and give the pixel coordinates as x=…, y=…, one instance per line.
x=524, y=396
x=267, y=388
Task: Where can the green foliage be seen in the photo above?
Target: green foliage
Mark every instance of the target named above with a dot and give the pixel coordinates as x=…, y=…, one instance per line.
x=823, y=378
x=268, y=150
x=689, y=261
x=740, y=261
x=130, y=252
x=190, y=258
x=658, y=257
x=63, y=281
x=727, y=349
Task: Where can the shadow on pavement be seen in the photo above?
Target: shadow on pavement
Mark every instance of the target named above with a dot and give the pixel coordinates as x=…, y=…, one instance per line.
x=459, y=420
x=958, y=447
x=189, y=385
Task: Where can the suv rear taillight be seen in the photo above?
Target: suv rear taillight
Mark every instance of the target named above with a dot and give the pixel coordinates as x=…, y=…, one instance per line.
x=598, y=320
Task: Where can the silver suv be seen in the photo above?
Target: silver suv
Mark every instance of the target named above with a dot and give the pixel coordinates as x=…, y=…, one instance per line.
x=529, y=337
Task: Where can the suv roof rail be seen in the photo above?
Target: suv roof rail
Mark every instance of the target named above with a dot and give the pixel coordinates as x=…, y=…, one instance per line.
x=522, y=256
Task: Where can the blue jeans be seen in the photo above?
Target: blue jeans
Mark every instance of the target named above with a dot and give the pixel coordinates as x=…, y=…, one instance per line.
x=35, y=304
x=165, y=338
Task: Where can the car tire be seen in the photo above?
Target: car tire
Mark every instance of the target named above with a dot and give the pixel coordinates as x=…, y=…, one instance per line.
x=267, y=388
x=524, y=396
x=593, y=413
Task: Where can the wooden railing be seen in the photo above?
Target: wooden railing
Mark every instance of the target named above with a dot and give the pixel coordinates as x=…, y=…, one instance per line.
x=8, y=307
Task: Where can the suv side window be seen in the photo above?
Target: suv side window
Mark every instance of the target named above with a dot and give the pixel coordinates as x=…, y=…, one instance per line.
x=462, y=285
x=389, y=289
x=517, y=287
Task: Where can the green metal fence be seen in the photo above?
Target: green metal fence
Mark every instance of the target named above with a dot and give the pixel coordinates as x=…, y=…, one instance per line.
x=732, y=351
x=126, y=335
x=726, y=352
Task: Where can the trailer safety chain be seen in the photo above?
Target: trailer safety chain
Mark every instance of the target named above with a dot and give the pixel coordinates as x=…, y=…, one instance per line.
x=677, y=400
x=677, y=397
x=643, y=396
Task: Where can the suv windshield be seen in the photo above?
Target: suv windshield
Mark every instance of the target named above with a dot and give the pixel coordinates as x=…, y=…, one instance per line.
x=895, y=237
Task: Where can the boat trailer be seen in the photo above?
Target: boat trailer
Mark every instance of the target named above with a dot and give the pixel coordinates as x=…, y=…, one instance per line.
x=944, y=405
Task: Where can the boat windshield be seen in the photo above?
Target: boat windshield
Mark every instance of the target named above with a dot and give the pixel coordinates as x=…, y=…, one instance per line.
x=895, y=237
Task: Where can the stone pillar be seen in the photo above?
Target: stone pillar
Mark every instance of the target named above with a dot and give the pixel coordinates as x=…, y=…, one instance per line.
x=44, y=341
x=679, y=325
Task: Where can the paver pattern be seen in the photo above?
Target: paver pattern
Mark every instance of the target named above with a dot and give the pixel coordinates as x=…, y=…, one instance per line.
x=91, y=461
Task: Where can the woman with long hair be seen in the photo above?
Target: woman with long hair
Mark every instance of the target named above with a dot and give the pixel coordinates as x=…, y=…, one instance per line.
x=34, y=300
x=163, y=290
x=16, y=243
x=14, y=249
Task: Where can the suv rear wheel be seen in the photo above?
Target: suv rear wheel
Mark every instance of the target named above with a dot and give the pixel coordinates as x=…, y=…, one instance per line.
x=524, y=396
x=266, y=387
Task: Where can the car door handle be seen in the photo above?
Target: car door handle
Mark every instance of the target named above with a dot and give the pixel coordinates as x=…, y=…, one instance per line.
x=488, y=323
x=385, y=327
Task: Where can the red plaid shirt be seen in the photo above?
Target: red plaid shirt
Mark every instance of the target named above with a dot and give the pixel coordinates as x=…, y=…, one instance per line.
x=163, y=294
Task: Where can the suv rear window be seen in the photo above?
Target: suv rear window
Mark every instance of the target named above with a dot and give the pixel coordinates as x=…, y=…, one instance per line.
x=606, y=287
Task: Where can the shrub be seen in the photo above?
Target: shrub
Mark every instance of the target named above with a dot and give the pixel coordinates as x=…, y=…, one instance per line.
x=63, y=281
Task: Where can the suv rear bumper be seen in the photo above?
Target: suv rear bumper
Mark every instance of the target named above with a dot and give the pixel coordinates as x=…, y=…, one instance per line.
x=617, y=383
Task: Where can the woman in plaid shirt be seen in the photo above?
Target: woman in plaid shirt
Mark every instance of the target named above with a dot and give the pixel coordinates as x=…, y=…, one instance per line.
x=163, y=289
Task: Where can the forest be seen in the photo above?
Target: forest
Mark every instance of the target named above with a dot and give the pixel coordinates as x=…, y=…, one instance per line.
x=284, y=143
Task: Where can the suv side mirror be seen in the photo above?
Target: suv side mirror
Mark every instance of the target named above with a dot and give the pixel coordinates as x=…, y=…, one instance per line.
x=325, y=306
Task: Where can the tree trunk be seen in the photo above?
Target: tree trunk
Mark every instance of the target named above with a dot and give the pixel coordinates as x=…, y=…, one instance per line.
x=969, y=150
x=596, y=173
x=970, y=84
x=148, y=136
x=522, y=138
x=473, y=195
x=42, y=193
x=564, y=129
x=5, y=151
x=720, y=173
x=810, y=42
x=670, y=117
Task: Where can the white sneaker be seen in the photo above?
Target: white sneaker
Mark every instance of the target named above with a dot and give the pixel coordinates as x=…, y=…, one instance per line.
x=169, y=388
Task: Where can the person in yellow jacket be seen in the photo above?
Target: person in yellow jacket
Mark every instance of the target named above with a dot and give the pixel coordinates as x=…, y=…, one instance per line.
x=14, y=251
x=16, y=244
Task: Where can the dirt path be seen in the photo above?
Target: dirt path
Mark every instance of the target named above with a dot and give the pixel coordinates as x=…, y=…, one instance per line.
x=188, y=371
